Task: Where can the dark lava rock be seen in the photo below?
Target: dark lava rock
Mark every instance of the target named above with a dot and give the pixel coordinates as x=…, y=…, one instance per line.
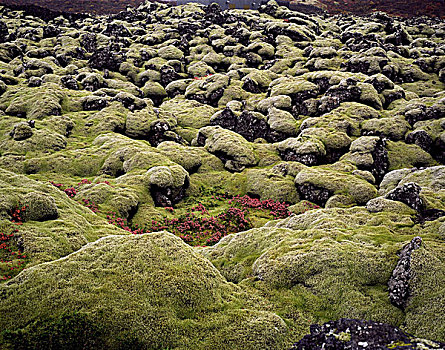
x=168, y=196
x=160, y=131
x=4, y=32
x=130, y=101
x=117, y=30
x=69, y=82
x=105, y=58
x=214, y=14
x=345, y=91
x=421, y=112
x=352, y=334
x=398, y=284
x=35, y=82
x=314, y=194
x=212, y=99
x=247, y=124
x=438, y=151
x=421, y=138
x=392, y=96
x=324, y=105
x=50, y=31
x=381, y=160
x=168, y=74
x=226, y=119
x=250, y=86
x=94, y=103
x=88, y=42
x=308, y=159
x=430, y=215
x=251, y=127
x=409, y=194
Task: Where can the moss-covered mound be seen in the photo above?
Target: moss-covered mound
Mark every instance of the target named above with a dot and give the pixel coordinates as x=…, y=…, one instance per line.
x=312, y=148
x=147, y=291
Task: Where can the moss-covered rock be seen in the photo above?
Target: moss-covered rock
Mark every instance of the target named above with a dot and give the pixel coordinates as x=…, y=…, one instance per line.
x=266, y=184
x=333, y=182
x=187, y=157
x=33, y=103
x=402, y=155
x=208, y=90
x=298, y=89
x=190, y=114
x=175, y=284
x=39, y=207
x=231, y=148
x=307, y=150
x=392, y=128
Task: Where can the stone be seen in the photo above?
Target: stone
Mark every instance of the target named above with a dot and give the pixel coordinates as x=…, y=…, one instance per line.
x=398, y=284
x=409, y=194
x=359, y=334
x=21, y=131
x=39, y=207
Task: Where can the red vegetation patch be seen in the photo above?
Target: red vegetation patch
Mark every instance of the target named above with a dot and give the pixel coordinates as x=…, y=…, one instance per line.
x=12, y=259
x=71, y=191
x=198, y=227
x=17, y=214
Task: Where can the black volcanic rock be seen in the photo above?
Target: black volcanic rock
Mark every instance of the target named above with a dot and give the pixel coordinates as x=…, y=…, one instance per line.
x=4, y=32
x=409, y=194
x=360, y=335
x=106, y=58
x=398, y=284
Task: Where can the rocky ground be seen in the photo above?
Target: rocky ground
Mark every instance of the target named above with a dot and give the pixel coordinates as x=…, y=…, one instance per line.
x=191, y=178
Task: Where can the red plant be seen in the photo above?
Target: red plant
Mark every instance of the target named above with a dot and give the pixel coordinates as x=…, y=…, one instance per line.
x=17, y=214
x=70, y=192
x=277, y=209
x=83, y=182
x=90, y=205
x=12, y=260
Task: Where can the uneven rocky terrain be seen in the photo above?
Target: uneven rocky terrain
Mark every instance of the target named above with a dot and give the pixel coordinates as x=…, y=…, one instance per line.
x=191, y=178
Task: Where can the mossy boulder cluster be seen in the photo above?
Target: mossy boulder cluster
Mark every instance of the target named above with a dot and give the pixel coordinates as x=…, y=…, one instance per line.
x=159, y=108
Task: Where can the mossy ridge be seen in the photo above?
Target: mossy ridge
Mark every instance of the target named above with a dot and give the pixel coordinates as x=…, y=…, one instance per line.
x=51, y=238
x=363, y=256
x=187, y=299
x=402, y=155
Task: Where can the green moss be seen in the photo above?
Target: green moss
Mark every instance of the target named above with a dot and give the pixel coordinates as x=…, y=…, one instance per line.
x=426, y=285
x=190, y=114
x=39, y=207
x=427, y=88
x=32, y=102
x=170, y=53
x=236, y=151
x=393, y=128
x=402, y=155
x=67, y=225
x=302, y=146
x=185, y=156
x=268, y=185
x=176, y=289
x=174, y=176
x=312, y=268
x=369, y=96
x=199, y=69
x=207, y=86
x=289, y=86
x=281, y=121
x=358, y=189
x=111, y=118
